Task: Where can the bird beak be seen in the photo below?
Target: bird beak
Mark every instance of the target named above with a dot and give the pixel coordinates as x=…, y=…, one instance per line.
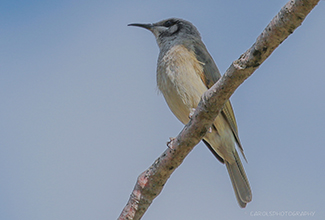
x=146, y=26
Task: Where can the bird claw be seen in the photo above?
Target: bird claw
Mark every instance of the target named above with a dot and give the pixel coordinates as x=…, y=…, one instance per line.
x=170, y=143
x=191, y=113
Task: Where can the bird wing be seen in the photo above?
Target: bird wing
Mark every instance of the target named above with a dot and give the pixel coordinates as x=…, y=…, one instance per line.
x=228, y=112
x=209, y=77
x=211, y=73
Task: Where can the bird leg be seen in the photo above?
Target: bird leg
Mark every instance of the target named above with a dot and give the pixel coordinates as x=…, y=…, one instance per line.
x=192, y=110
x=170, y=143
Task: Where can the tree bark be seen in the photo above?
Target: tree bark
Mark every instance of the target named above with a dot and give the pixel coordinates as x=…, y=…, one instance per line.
x=150, y=183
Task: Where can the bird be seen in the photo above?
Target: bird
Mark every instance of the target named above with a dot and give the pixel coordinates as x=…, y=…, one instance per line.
x=185, y=70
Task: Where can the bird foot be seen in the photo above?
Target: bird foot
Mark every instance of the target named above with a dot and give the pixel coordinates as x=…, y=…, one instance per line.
x=191, y=113
x=170, y=143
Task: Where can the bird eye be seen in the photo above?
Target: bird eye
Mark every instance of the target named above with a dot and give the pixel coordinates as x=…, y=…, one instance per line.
x=169, y=23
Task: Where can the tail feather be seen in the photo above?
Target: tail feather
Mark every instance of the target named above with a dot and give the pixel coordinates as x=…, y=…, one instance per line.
x=239, y=181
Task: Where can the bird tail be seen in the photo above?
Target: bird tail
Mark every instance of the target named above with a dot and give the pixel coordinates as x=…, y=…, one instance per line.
x=239, y=181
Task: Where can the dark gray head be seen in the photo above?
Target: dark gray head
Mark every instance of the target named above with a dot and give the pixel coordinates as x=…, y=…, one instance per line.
x=172, y=31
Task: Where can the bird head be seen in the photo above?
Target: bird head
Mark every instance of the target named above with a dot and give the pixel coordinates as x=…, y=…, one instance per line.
x=171, y=31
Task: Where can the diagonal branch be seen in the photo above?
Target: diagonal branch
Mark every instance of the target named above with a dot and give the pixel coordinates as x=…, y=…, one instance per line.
x=150, y=183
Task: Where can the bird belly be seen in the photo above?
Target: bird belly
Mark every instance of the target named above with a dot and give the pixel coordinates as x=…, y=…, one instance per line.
x=178, y=78
x=181, y=101
x=181, y=98
x=180, y=81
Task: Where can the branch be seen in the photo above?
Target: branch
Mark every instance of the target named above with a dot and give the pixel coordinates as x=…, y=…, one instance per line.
x=150, y=183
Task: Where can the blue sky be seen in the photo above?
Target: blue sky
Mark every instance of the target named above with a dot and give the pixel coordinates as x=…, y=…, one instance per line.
x=81, y=117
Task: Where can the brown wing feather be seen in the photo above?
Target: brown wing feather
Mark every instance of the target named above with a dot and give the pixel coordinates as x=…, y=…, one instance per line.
x=209, y=77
